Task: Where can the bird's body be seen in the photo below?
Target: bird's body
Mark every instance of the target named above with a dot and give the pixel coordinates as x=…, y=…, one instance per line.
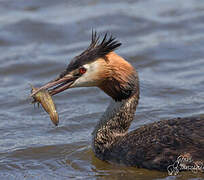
x=153, y=146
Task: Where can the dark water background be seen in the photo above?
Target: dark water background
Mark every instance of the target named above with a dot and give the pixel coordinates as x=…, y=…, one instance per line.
x=163, y=39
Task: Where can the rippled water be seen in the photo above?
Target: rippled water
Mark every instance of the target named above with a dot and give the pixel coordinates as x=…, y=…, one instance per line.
x=164, y=40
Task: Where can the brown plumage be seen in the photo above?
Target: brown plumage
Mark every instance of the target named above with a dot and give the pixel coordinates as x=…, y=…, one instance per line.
x=153, y=146
x=118, y=77
x=158, y=145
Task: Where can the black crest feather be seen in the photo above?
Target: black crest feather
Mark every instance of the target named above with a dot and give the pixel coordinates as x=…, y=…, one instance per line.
x=95, y=50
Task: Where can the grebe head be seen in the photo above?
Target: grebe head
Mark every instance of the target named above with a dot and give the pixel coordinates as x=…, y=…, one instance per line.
x=98, y=66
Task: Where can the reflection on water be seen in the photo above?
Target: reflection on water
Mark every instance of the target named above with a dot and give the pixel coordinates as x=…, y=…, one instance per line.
x=163, y=39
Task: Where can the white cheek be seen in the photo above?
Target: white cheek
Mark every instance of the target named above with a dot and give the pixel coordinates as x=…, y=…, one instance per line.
x=89, y=78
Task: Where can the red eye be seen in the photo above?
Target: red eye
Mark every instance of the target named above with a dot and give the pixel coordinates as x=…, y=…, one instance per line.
x=82, y=70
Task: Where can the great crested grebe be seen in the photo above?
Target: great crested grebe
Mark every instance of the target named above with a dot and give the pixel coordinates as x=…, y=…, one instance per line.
x=152, y=146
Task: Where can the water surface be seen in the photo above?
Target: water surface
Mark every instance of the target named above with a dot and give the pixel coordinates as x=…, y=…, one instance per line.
x=164, y=41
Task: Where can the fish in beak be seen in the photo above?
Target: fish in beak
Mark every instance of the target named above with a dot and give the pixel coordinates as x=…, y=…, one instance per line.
x=43, y=94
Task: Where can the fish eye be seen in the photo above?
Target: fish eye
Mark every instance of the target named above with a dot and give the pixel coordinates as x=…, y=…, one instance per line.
x=82, y=70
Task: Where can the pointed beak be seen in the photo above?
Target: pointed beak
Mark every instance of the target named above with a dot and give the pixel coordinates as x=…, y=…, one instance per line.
x=58, y=85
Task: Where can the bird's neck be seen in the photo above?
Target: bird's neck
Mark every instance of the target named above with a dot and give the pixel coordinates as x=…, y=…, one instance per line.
x=114, y=123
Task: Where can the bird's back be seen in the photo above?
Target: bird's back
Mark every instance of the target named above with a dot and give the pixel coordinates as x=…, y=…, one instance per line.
x=158, y=145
